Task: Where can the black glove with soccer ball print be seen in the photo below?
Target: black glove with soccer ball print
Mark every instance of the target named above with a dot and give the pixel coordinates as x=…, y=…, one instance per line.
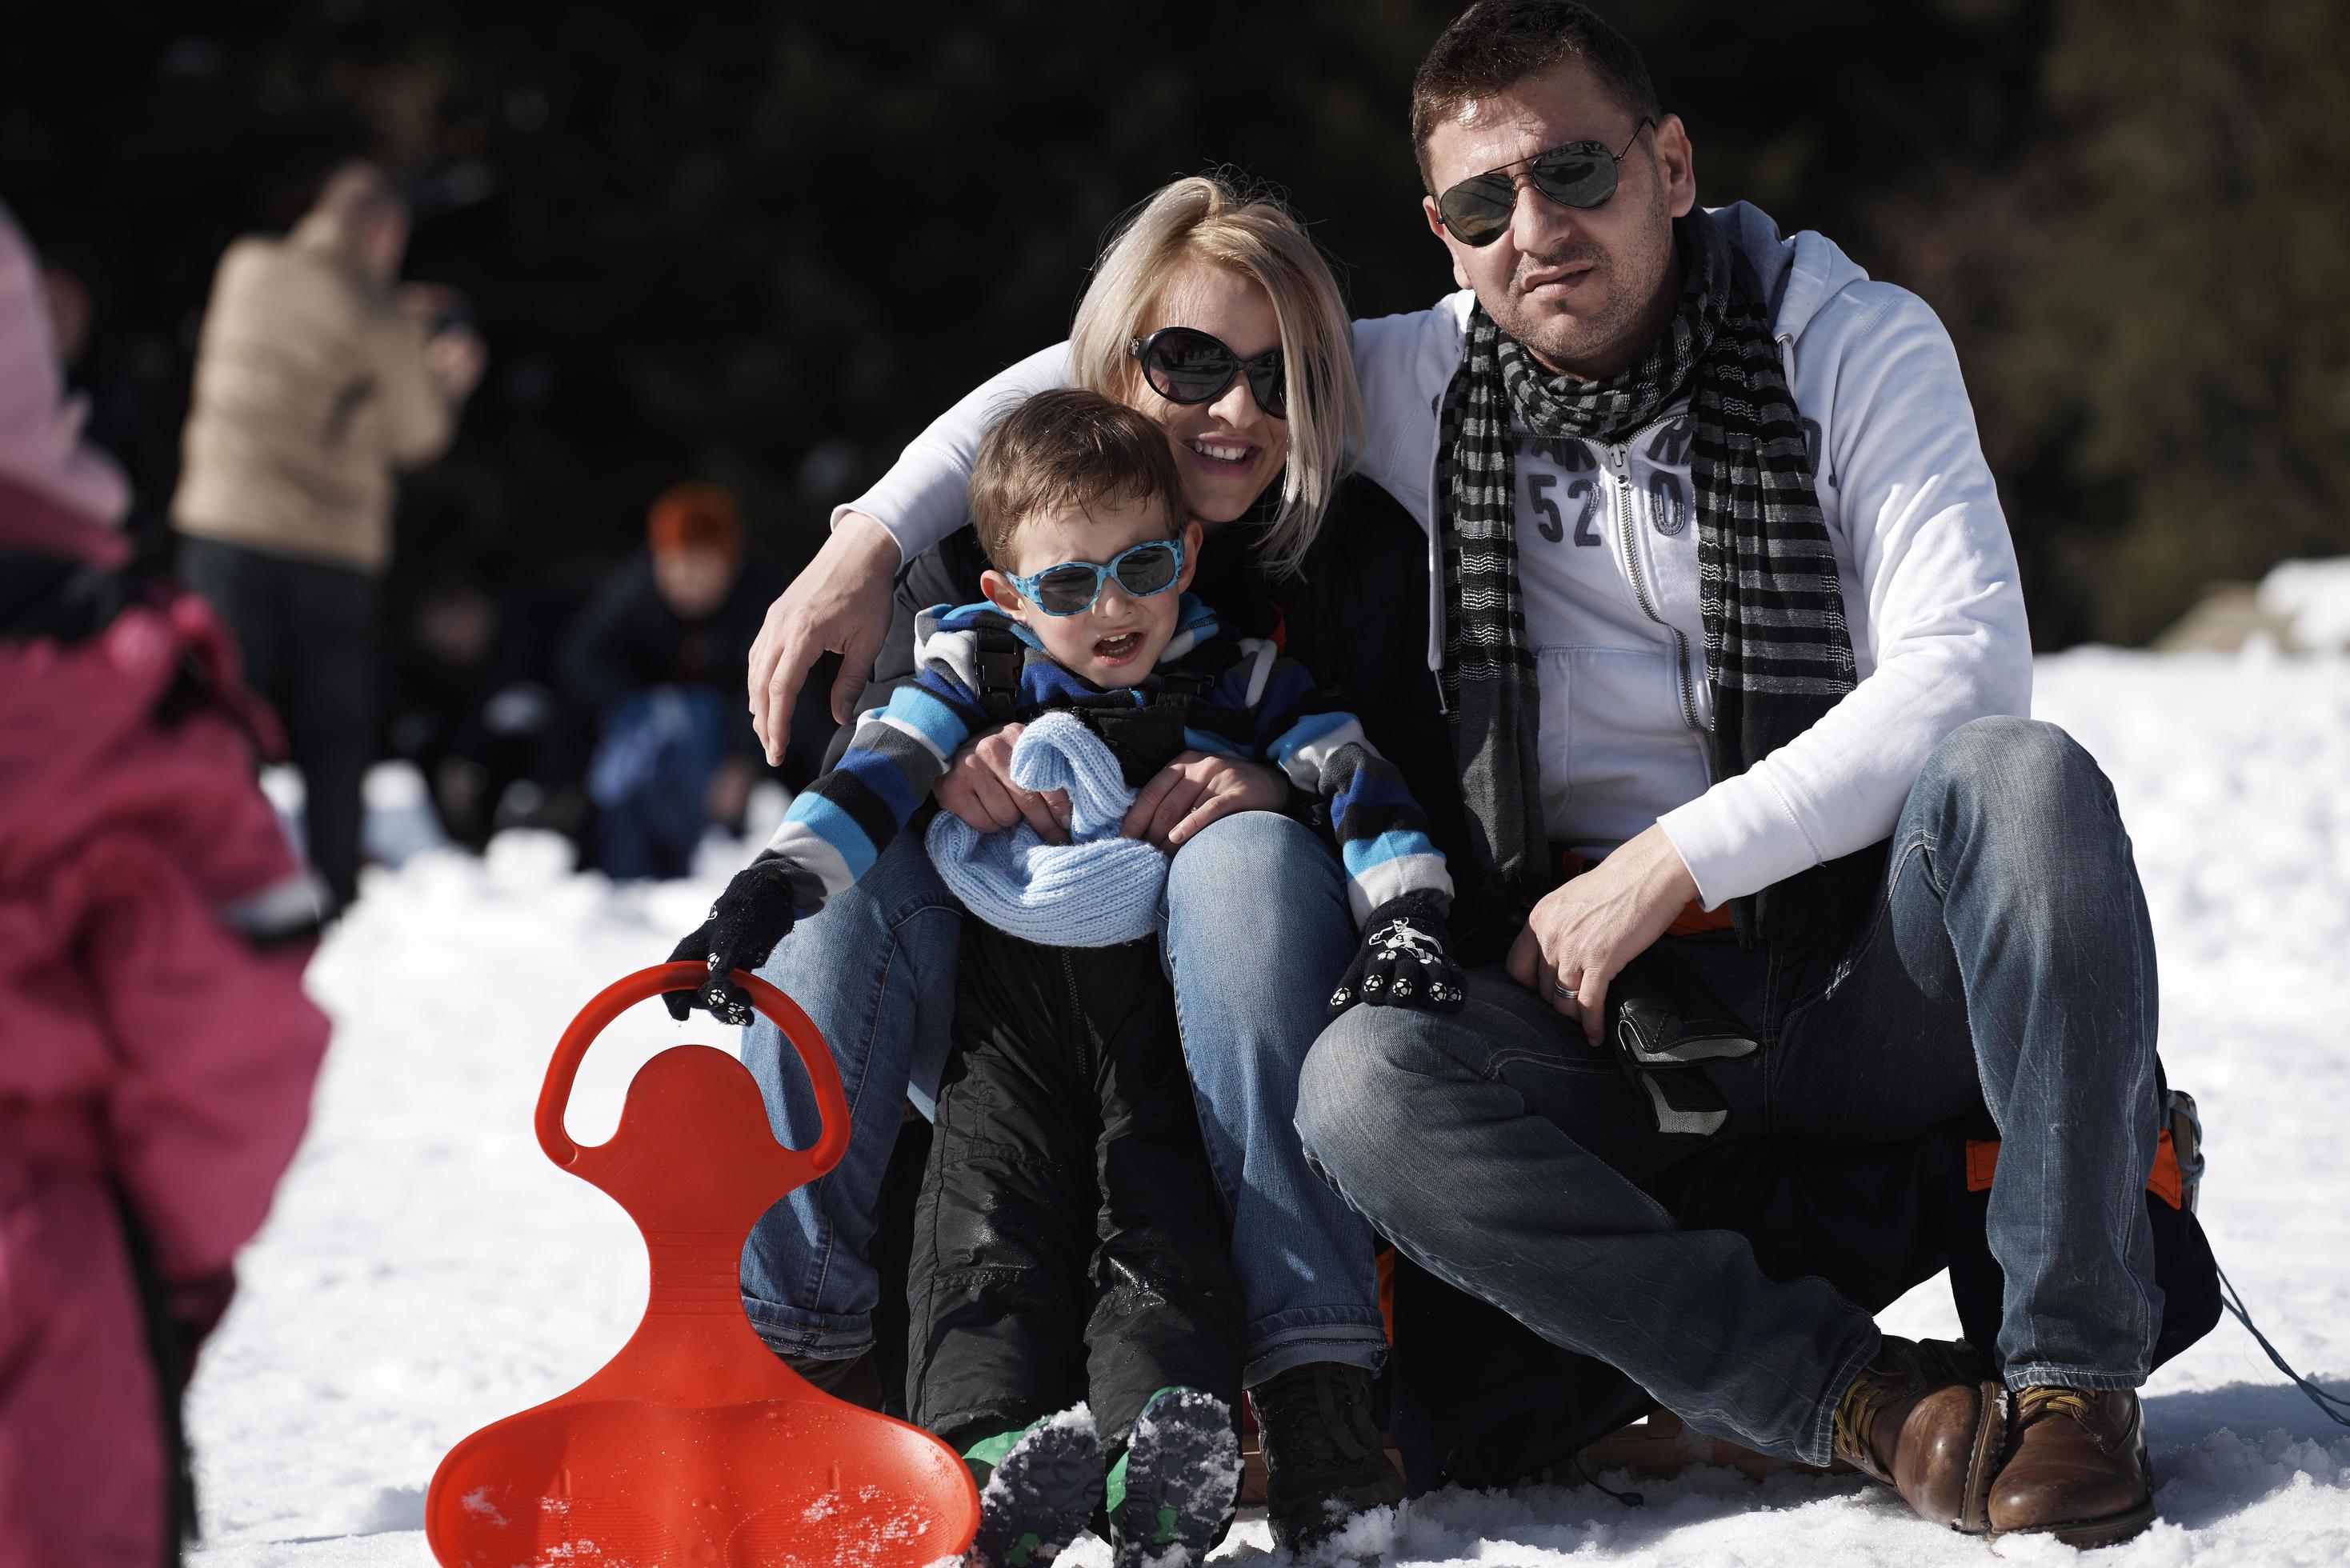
x=1406, y=959
x=750, y=918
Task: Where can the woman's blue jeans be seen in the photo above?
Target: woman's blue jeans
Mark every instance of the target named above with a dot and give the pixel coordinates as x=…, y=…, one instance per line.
x=875, y=970
x=1257, y=934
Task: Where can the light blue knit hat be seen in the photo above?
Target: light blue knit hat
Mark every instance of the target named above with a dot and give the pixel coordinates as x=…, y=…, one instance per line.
x=1097, y=890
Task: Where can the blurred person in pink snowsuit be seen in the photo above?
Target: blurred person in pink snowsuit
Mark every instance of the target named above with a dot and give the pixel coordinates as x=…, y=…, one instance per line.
x=156, y=1051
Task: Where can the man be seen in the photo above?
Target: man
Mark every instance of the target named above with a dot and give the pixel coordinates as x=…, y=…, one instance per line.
x=1765, y=613
x=314, y=382
x=1728, y=609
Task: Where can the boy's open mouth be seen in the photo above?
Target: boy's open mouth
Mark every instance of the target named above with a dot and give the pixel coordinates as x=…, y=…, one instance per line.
x=1119, y=648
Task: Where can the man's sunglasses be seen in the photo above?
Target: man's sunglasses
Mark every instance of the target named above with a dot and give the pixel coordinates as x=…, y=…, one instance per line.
x=1184, y=365
x=1071, y=588
x=1580, y=174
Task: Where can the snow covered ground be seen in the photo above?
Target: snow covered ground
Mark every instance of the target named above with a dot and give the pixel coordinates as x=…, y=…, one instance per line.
x=427, y=1271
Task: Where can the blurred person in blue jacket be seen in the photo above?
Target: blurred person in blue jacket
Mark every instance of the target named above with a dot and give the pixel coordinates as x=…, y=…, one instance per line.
x=656, y=656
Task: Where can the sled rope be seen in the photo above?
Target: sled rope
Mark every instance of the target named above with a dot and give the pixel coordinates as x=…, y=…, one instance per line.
x=2336, y=1406
x=1628, y=1498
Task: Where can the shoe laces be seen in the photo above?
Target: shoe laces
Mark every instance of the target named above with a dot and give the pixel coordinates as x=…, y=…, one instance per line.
x=2042, y=1399
x=1856, y=1419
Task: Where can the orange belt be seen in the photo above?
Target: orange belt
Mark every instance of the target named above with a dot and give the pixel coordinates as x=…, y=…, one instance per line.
x=2163, y=1180
x=1695, y=919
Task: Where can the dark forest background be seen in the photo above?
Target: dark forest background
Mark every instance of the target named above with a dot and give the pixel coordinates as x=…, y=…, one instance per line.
x=761, y=244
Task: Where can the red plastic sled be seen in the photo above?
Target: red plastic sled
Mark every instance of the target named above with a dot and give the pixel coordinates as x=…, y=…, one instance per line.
x=695, y=1447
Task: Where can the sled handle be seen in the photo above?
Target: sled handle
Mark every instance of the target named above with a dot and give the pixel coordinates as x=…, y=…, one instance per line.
x=555, y=1094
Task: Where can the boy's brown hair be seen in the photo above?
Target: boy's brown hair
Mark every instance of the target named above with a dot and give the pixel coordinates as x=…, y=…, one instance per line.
x=1062, y=449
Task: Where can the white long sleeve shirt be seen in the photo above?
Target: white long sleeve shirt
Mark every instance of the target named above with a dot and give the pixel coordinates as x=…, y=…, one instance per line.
x=1607, y=566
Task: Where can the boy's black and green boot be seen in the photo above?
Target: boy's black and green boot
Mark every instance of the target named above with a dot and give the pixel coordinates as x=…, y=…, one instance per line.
x=1037, y=1490
x=1171, y=1494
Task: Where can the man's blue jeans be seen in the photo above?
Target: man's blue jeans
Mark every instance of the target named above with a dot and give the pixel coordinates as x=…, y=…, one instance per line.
x=2008, y=962
x=1257, y=934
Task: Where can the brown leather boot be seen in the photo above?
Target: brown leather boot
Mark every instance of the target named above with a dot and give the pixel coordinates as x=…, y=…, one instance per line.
x=2077, y=1467
x=1920, y=1418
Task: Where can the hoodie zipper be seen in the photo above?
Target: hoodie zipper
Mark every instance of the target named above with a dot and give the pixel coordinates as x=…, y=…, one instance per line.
x=1625, y=534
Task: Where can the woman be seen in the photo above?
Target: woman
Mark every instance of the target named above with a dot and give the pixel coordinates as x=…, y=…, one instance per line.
x=1214, y=314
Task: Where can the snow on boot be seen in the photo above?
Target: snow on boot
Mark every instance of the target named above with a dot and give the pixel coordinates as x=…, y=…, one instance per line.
x=1170, y=1493
x=1037, y=1489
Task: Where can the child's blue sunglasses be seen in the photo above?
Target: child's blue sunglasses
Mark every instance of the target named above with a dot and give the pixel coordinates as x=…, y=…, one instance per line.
x=1071, y=588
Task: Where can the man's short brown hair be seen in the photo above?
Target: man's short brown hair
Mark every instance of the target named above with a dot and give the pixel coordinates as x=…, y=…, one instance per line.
x=1068, y=448
x=1496, y=44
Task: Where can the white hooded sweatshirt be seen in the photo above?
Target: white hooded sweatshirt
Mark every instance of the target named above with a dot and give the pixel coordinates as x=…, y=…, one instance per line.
x=1607, y=569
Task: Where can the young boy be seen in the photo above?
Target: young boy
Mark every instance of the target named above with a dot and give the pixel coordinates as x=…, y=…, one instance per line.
x=1070, y=1242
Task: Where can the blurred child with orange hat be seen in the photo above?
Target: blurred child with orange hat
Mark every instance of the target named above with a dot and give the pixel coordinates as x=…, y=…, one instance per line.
x=659, y=656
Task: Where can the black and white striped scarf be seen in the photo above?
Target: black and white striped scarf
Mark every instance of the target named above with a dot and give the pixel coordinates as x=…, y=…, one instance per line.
x=1777, y=652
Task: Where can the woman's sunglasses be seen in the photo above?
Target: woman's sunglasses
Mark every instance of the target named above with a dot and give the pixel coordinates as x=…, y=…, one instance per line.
x=1581, y=175
x=1184, y=365
x=1071, y=588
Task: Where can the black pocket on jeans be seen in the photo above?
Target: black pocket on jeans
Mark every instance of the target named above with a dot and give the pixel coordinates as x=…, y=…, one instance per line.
x=1663, y=1022
x=1661, y=1014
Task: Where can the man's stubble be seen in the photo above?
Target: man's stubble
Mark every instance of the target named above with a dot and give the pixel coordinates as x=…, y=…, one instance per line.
x=1639, y=291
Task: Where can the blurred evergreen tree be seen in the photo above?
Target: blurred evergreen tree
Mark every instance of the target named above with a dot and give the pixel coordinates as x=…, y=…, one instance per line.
x=2176, y=349
x=764, y=243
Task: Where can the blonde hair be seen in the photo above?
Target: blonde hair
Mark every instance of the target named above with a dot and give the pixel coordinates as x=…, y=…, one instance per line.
x=1207, y=218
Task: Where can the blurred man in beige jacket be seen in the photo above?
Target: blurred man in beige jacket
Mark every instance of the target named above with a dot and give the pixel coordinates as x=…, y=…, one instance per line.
x=316, y=378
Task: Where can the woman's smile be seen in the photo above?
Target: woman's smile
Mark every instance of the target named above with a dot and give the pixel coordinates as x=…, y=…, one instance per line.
x=1221, y=456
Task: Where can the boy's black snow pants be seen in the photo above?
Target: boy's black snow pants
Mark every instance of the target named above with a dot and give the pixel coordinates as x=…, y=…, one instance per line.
x=1070, y=1243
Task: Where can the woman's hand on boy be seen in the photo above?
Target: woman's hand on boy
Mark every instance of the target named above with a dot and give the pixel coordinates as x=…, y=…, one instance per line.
x=1406, y=959
x=750, y=918
x=840, y=602
x=1197, y=789
x=977, y=787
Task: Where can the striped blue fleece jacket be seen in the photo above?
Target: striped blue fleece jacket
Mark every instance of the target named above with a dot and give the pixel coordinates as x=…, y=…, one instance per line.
x=1233, y=697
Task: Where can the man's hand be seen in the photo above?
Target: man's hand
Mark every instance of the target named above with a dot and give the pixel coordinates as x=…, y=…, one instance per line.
x=977, y=787
x=1197, y=789
x=840, y=604
x=1580, y=937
